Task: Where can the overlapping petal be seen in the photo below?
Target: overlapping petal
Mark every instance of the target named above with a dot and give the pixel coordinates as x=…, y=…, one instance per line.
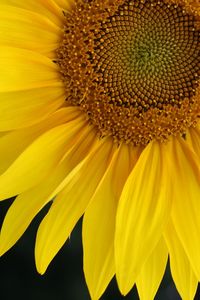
x=11, y=148
x=143, y=212
x=186, y=204
x=29, y=203
x=47, y=8
x=71, y=203
x=17, y=25
x=35, y=163
x=99, y=223
x=182, y=273
x=152, y=272
x=25, y=108
x=24, y=70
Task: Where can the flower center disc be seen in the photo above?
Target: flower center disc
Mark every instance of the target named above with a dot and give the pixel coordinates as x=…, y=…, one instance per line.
x=133, y=67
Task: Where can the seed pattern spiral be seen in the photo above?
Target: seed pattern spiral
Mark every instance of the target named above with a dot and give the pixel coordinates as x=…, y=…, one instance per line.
x=148, y=54
x=133, y=66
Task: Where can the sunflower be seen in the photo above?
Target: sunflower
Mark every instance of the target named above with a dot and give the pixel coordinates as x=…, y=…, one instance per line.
x=99, y=115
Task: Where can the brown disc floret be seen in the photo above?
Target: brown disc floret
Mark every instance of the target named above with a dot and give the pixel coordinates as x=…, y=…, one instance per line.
x=133, y=67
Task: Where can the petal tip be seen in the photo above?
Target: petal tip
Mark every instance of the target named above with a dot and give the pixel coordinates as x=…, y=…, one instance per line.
x=40, y=262
x=41, y=268
x=123, y=285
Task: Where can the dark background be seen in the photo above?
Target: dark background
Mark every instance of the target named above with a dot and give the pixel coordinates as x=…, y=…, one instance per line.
x=64, y=279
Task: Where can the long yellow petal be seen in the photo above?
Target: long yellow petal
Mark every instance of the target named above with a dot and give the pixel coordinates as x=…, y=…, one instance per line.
x=11, y=148
x=25, y=108
x=152, y=272
x=25, y=29
x=47, y=8
x=182, y=273
x=29, y=203
x=26, y=206
x=24, y=69
x=143, y=211
x=99, y=224
x=38, y=160
x=186, y=204
x=70, y=204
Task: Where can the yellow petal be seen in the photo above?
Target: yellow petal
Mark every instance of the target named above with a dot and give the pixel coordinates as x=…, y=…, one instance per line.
x=29, y=203
x=186, y=204
x=65, y=4
x=38, y=160
x=18, y=25
x=26, y=206
x=143, y=211
x=182, y=273
x=99, y=224
x=194, y=135
x=47, y=8
x=24, y=69
x=152, y=272
x=70, y=204
x=11, y=148
x=25, y=108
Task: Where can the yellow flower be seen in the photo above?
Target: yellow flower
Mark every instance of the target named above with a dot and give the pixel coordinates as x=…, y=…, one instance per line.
x=99, y=113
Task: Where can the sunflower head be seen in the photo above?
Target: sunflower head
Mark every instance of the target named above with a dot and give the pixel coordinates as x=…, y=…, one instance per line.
x=99, y=115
